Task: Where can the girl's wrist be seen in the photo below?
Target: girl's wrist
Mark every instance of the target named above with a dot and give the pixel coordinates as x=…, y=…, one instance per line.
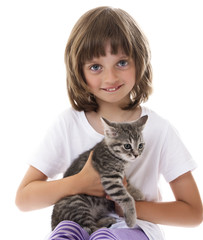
x=139, y=206
x=73, y=183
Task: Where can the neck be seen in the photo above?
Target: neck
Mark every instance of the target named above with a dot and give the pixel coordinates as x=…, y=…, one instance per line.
x=111, y=112
x=116, y=114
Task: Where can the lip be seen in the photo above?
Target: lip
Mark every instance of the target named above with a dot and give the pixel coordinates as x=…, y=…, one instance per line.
x=112, y=89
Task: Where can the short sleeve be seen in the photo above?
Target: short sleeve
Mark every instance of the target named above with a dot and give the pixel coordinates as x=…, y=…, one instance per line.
x=175, y=158
x=49, y=156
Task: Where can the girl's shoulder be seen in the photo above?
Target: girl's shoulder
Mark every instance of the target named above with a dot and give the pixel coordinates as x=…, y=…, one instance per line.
x=68, y=119
x=76, y=122
x=70, y=116
x=155, y=121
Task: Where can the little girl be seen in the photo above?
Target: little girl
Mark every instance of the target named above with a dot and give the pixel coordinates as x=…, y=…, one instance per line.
x=109, y=74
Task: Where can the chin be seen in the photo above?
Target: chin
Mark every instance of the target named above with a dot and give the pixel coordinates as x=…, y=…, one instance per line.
x=130, y=160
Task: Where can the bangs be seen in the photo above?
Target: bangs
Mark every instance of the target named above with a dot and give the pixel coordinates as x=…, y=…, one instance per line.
x=104, y=29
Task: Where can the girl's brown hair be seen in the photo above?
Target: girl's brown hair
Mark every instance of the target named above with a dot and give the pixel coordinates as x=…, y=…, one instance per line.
x=88, y=39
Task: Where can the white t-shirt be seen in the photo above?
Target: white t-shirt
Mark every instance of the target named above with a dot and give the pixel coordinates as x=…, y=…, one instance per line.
x=164, y=154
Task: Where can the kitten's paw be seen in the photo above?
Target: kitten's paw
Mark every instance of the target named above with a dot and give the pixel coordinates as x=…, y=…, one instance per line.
x=135, y=193
x=131, y=218
x=87, y=230
x=106, y=221
x=90, y=230
x=139, y=196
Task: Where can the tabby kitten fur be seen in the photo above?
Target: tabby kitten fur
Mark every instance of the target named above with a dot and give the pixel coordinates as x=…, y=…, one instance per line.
x=122, y=143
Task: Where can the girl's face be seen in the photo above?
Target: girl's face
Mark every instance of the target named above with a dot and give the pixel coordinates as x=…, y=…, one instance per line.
x=110, y=78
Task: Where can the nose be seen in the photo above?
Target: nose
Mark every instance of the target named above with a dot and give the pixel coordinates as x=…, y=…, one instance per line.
x=110, y=76
x=136, y=154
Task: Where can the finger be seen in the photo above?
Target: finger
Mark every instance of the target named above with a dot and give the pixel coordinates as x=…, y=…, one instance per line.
x=90, y=156
x=108, y=197
x=125, y=181
x=89, y=160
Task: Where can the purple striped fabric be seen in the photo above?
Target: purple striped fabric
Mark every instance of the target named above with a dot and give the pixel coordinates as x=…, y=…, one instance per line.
x=72, y=231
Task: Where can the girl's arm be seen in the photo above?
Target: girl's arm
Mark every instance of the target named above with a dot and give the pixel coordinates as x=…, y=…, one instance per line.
x=185, y=211
x=36, y=192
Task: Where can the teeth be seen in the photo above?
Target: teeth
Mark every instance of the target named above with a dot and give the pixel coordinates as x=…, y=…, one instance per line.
x=111, y=89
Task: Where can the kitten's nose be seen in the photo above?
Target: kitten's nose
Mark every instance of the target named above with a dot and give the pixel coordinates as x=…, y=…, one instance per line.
x=135, y=153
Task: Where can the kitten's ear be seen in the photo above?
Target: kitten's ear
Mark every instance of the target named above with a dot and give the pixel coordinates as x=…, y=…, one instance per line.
x=109, y=128
x=141, y=122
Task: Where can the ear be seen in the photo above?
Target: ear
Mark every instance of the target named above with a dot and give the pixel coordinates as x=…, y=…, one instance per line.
x=140, y=123
x=109, y=128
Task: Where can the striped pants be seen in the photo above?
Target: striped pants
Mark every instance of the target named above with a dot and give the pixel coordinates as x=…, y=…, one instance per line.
x=72, y=231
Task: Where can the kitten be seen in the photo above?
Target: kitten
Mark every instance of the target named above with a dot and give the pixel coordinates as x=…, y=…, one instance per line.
x=123, y=143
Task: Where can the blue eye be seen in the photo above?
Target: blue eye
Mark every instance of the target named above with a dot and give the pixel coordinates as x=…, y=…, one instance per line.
x=123, y=63
x=95, y=67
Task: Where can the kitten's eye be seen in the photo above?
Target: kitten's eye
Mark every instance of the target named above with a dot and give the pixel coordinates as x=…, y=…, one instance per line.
x=140, y=146
x=127, y=146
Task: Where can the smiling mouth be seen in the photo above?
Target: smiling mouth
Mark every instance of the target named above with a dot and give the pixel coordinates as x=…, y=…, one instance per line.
x=112, y=89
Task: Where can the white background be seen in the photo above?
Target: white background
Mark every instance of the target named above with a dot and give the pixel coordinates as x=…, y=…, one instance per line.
x=33, y=36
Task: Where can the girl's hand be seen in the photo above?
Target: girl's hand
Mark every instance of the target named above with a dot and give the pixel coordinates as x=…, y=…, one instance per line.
x=118, y=210
x=89, y=180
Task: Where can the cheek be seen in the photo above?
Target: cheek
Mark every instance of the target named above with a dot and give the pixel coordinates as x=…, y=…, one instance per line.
x=92, y=81
x=130, y=77
x=130, y=80
x=93, y=84
x=133, y=74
